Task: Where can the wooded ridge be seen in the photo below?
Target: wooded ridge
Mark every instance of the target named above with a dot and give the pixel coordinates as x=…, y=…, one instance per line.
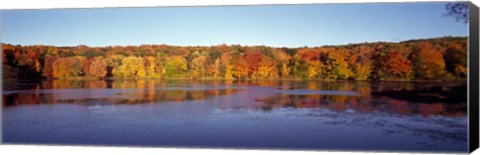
x=426, y=59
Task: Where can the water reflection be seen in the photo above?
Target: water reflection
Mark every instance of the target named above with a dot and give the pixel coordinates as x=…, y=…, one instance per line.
x=402, y=98
x=266, y=114
x=427, y=99
x=364, y=105
x=107, y=92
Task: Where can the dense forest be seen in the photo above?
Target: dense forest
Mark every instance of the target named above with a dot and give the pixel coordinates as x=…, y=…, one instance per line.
x=414, y=60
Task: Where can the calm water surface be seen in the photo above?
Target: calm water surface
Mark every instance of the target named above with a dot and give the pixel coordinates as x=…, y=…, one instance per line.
x=268, y=114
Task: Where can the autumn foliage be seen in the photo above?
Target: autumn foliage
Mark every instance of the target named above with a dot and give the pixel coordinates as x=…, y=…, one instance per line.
x=428, y=59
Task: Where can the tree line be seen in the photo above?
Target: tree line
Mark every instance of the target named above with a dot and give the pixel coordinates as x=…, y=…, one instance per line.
x=426, y=59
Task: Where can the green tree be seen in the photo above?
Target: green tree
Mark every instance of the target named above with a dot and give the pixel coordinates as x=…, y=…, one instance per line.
x=176, y=67
x=114, y=64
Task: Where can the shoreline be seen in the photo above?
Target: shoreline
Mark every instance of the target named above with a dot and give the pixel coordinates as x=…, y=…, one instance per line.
x=222, y=79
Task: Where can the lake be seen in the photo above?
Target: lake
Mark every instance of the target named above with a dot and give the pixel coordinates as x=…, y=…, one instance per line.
x=396, y=116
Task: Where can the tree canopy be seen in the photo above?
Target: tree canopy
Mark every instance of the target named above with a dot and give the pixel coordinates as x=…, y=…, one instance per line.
x=426, y=59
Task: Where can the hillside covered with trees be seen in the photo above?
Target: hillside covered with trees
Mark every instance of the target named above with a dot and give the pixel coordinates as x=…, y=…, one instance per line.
x=427, y=59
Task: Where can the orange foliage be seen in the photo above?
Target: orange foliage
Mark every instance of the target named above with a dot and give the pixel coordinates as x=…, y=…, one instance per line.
x=428, y=62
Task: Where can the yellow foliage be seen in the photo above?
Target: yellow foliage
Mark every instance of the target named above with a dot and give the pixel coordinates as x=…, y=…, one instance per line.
x=285, y=71
x=314, y=69
x=38, y=66
x=133, y=66
x=151, y=67
x=229, y=72
x=198, y=67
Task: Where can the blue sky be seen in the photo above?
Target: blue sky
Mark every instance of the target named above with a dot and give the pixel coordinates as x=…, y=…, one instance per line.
x=272, y=25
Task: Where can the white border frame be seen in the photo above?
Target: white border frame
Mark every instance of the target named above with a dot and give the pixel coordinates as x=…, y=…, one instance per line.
x=82, y=150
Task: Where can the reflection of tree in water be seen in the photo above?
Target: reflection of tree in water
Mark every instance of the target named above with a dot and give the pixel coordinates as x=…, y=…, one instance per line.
x=370, y=100
x=95, y=84
x=399, y=106
x=400, y=98
x=359, y=105
x=125, y=92
x=431, y=109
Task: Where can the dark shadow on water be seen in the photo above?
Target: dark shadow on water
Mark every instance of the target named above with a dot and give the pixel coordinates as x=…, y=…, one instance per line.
x=451, y=95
